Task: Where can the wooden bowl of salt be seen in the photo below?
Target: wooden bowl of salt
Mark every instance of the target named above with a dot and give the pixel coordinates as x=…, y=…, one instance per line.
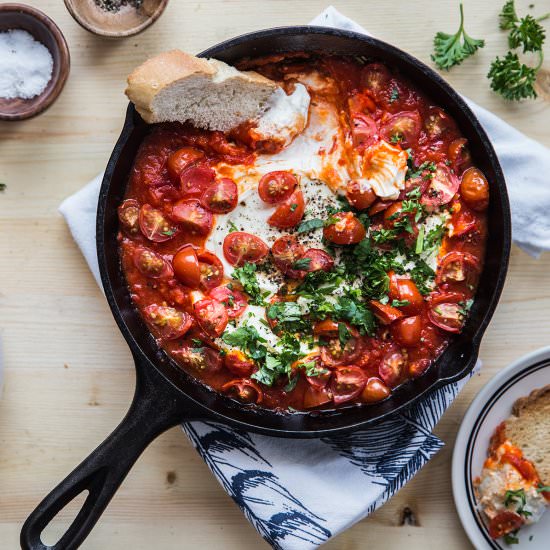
x=34, y=61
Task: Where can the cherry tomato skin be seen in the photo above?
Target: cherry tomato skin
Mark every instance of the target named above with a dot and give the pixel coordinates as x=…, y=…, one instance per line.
x=347, y=229
x=348, y=382
x=211, y=269
x=504, y=523
x=474, y=189
x=393, y=214
x=407, y=331
x=459, y=155
x=405, y=290
x=327, y=328
x=375, y=390
x=286, y=251
x=151, y=264
x=316, y=397
x=379, y=206
x=418, y=367
x=203, y=359
x=167, y=322
x=163, y=195
x=442, y=188
x=243, y=390
x=211, y=316
x=404, y=126
x=234, y=300
x=333, y=353
x=154, y=225
x=438, y=123
x=392, y=368
x=375, y=77
x=363, y=130
x=182, y=159
x=385, y=313
x=196, y=179
x=361, y=102
x=319, y=260
x=463, y=221
x=186, y=266
x=458, y=267
x=290, y=212
x=193, y=216
x=128, y=214
x=238, y=364
x=360, y=196
x=446, y=311
x=240, y=247
x=221, y=197
x=275, y=187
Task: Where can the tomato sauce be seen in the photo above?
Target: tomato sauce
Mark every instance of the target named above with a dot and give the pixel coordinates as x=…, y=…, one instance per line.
x=174, y=195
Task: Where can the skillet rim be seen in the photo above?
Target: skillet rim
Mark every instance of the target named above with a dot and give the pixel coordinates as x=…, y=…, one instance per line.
x=468, y=356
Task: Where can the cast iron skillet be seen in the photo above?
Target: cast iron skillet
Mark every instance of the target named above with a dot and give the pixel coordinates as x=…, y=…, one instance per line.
x=165, y=395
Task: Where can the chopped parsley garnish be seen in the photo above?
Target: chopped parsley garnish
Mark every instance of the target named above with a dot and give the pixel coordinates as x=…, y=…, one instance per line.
x=511, y=538
x=301, y=264
x=543, y=489
x=310, y=225
x=400, y=303
x=343, y=334
x=396, y=138
x=394, y=96
x=293, y=207
x=246, y=275
x=232, y=227
x=519, y=500
x=453, y=49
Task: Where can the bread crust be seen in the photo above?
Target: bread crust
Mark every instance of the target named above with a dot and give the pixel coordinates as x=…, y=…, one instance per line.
x=523, y=403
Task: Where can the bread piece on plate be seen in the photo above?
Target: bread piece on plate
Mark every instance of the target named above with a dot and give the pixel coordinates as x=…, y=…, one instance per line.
x=529, y=429
x=176, y=86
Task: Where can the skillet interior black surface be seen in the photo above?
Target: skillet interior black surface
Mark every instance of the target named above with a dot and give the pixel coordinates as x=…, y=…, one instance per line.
x=461, y=355
x=165, y=395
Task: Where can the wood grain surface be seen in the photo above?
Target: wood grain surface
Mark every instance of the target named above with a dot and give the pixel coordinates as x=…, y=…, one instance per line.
x=68, y=373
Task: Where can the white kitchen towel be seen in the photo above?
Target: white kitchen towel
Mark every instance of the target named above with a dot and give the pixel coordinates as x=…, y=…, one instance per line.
x=300, y=493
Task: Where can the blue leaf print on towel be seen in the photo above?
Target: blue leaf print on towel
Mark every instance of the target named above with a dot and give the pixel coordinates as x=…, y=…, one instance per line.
x=267, y=504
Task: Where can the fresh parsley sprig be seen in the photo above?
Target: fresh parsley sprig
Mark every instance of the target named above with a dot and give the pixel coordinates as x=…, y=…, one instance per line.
x=246, y=275
x=453, y=49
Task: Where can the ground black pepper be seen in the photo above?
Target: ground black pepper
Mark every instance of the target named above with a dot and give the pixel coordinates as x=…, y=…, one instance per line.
x=115, y=5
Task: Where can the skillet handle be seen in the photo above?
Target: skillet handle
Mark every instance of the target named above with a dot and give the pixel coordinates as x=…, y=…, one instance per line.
x=156, y=407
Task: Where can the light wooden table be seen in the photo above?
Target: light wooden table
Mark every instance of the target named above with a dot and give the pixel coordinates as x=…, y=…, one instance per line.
x=68, y=372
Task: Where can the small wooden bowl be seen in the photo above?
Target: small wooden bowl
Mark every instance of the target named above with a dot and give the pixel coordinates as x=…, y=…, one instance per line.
x=125, y=22
x=43, y=29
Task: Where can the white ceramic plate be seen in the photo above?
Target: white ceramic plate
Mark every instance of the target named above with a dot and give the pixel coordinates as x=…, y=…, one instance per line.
x=492, y=405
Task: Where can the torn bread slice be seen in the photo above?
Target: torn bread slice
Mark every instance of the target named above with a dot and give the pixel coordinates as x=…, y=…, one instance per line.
x=176, y=86
x=529, y=429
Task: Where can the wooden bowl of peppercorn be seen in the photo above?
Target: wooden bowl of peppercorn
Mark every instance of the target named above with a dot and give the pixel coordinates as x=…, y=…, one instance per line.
x=115, y=18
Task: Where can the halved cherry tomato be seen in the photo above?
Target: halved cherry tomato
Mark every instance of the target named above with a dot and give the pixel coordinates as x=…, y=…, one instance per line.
x=128, y=214
x=238, y=363
x=375, y=390
x=458, y=267
x=379, y=206
x=447, y=311
x=334, y=353
x=404, y=127
x=244, y=390
x=348, y=382
x=327, y=328
x=221, y=197
x=363, y=130
x=463, y=221
x=319, y=260
x=315, y=397
x=459, y=155
x=359, y=195
x=405, y=290
x=163, y=195
x=361, y=102
x=203, y=359
x=407, y=331
x=196, y=179
x=474, y=189
x=504, y=523
x=321, y=378
x=186, y=266
x=290, y=212
x=438, y=123
x=418, y=367
x=211, y=269
x=275, y=187
x=154, y=225
x=193, y=217
x=347, y=229
x=442, y=188
x=394, y=216
x=375, y=77
x=286, y=250
x=151, y=264
x=240, y=247
x=211, y=316
x=234, y=300
x=392, y=368
x=181, y=159
x=385, y=313
x=167, y=322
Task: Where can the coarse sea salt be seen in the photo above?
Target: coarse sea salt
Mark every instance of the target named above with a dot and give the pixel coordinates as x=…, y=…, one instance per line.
x=25, y=65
